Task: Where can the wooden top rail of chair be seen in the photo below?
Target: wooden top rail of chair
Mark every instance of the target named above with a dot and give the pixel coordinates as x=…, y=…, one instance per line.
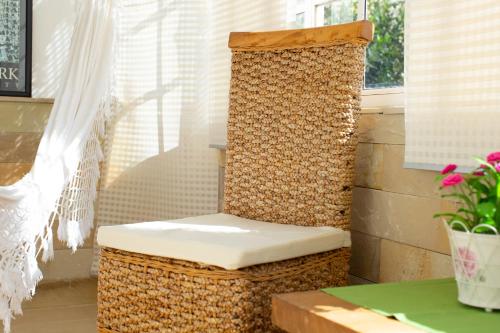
x=361, y=31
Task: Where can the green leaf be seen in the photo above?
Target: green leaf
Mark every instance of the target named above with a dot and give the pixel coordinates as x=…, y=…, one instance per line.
x=489, y=166
x=486, y=209
x=460, y=196
x=444, y=215
x=498, y=191
x=488, y=221
x=439, y=178
x=478, y=186
x=467, y=211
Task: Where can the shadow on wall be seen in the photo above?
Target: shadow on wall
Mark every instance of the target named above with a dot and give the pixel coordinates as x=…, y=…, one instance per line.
x=158, y=163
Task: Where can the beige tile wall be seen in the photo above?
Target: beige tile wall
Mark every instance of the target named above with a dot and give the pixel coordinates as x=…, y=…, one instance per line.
x=22, y=122
x=394, y=236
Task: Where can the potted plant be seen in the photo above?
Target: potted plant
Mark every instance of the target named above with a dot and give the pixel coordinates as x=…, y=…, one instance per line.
x=473, y=231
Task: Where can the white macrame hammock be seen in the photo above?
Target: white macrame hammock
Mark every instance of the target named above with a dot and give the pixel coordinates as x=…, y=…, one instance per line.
x=62, y=183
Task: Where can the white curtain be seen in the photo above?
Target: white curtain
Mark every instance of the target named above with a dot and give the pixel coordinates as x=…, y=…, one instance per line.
x=226, y=16
x=63, y=179
x=452, y=81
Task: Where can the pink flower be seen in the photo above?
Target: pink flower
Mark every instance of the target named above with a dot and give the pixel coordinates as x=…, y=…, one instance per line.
x=493, y=157
x=449, y=168
x=497, y=167
x=452, y=180
x=478, y=173
x=466, y=262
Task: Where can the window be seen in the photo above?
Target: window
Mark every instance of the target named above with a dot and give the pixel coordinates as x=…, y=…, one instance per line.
x=334, y=12
x=385, y=55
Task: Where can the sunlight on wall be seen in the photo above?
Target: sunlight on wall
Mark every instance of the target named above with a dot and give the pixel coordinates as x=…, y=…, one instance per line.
x=227, y=16
x=149, y=85
x=53, y=22
x=158, y=164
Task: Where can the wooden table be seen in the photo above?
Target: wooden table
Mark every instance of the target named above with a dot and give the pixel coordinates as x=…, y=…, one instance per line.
x=318, y=312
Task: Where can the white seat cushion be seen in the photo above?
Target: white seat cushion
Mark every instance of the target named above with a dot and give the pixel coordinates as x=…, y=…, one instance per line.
x=222, y=240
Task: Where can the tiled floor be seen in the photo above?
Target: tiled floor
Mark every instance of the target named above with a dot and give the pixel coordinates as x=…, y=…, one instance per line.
x=68, y=307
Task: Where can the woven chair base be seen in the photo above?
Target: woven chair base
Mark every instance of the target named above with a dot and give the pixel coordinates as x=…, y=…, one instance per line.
x=143, y=294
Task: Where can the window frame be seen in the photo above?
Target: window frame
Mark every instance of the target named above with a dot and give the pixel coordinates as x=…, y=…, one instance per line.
x=382, y=97
x=371, y=98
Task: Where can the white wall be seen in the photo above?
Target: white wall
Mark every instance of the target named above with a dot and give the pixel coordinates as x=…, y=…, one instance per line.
x=52, y=28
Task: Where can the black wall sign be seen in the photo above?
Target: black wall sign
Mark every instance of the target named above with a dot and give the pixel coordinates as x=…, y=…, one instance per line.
x=15, y=47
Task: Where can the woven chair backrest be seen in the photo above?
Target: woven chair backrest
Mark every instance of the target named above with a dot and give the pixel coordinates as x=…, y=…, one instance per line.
x=292, y=126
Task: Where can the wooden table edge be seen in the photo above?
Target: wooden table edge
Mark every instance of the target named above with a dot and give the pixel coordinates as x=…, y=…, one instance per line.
x=318, y=312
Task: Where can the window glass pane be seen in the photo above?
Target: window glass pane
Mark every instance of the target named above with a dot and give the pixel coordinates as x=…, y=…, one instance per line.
x=299, y=20
x=336, y=12
x=384, y=56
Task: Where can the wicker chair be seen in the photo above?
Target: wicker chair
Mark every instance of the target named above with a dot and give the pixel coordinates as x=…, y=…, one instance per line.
x=294, y=104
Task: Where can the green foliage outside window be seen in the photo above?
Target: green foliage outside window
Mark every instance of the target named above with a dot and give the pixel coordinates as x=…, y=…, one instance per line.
x=385, y=55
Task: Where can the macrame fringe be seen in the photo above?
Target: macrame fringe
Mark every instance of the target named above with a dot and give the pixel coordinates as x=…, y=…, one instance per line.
x=74, y=212
x=76, y=207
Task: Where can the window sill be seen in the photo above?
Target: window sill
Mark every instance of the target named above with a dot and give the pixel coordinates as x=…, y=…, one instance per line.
x=26, y=100
x=391, y=98
x=384, y=110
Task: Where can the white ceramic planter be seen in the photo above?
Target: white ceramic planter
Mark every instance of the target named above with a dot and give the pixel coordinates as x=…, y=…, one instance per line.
x=476, y=260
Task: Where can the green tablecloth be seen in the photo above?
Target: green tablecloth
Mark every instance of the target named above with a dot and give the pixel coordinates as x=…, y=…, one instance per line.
x=430, y=305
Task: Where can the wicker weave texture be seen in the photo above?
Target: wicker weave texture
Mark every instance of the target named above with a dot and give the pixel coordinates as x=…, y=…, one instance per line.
x=292, y=134
x=291, y=146
x=145, y=294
